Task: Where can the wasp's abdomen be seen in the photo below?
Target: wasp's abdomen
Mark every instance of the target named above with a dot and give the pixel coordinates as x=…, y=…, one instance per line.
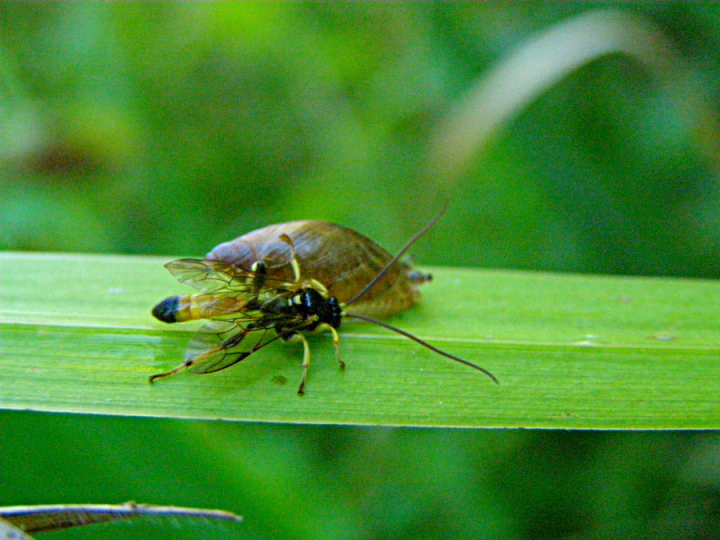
x=191, y=307
x=166, y=311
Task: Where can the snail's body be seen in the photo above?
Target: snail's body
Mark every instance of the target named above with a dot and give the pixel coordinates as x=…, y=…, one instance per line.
x=342, y=259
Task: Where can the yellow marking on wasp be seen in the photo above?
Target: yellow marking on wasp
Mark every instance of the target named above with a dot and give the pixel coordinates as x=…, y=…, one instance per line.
x=195, y=309
x=192, y=307
x=187, y=309
x=319, y=287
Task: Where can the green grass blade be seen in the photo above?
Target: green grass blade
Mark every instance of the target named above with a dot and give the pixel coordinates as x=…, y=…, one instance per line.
x=570, y=352
x=54, y=517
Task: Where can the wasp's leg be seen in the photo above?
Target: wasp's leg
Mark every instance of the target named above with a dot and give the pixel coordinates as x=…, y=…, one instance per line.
x=186, y=364
x=293, y=256
x=172, y=372
x=313, y=283
x=336, y=342
x=297, y=336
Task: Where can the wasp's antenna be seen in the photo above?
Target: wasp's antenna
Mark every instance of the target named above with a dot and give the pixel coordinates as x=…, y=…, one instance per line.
x=424, y=344
x=402, y=252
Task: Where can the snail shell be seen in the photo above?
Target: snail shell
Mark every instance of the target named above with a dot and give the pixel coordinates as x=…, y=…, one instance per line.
x=342, y=259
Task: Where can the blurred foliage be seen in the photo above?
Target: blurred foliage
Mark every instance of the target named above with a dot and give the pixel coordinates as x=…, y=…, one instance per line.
x=167, y=128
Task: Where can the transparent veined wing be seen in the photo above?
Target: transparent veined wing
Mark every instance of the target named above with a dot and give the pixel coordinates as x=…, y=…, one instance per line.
x=220, y=344
x=228, y=306
x=210, y=276
x=214, y=276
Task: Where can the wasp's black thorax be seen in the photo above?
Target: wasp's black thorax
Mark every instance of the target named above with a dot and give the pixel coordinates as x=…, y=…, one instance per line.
x=309, y=304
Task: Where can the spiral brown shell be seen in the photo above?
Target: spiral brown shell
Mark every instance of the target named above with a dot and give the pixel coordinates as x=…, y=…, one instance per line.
x=342, y=259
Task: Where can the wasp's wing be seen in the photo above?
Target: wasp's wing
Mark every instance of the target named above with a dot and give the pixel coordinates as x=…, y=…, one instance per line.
x=210, y=276
x=220, y=344
x=214, y=276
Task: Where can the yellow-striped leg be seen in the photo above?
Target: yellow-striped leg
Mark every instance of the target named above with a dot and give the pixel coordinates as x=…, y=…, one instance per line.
x=306, y=360
x=336, y=342
x=293, y=256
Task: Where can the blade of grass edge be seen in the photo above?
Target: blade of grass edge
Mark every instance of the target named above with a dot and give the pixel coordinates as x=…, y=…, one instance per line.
x=570, y=351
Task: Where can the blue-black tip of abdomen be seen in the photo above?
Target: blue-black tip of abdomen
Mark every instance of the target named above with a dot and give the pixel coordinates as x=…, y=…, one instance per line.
x=166, y=310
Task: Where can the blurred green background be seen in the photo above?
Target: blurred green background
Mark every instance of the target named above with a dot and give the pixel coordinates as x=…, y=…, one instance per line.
x=168, y=128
